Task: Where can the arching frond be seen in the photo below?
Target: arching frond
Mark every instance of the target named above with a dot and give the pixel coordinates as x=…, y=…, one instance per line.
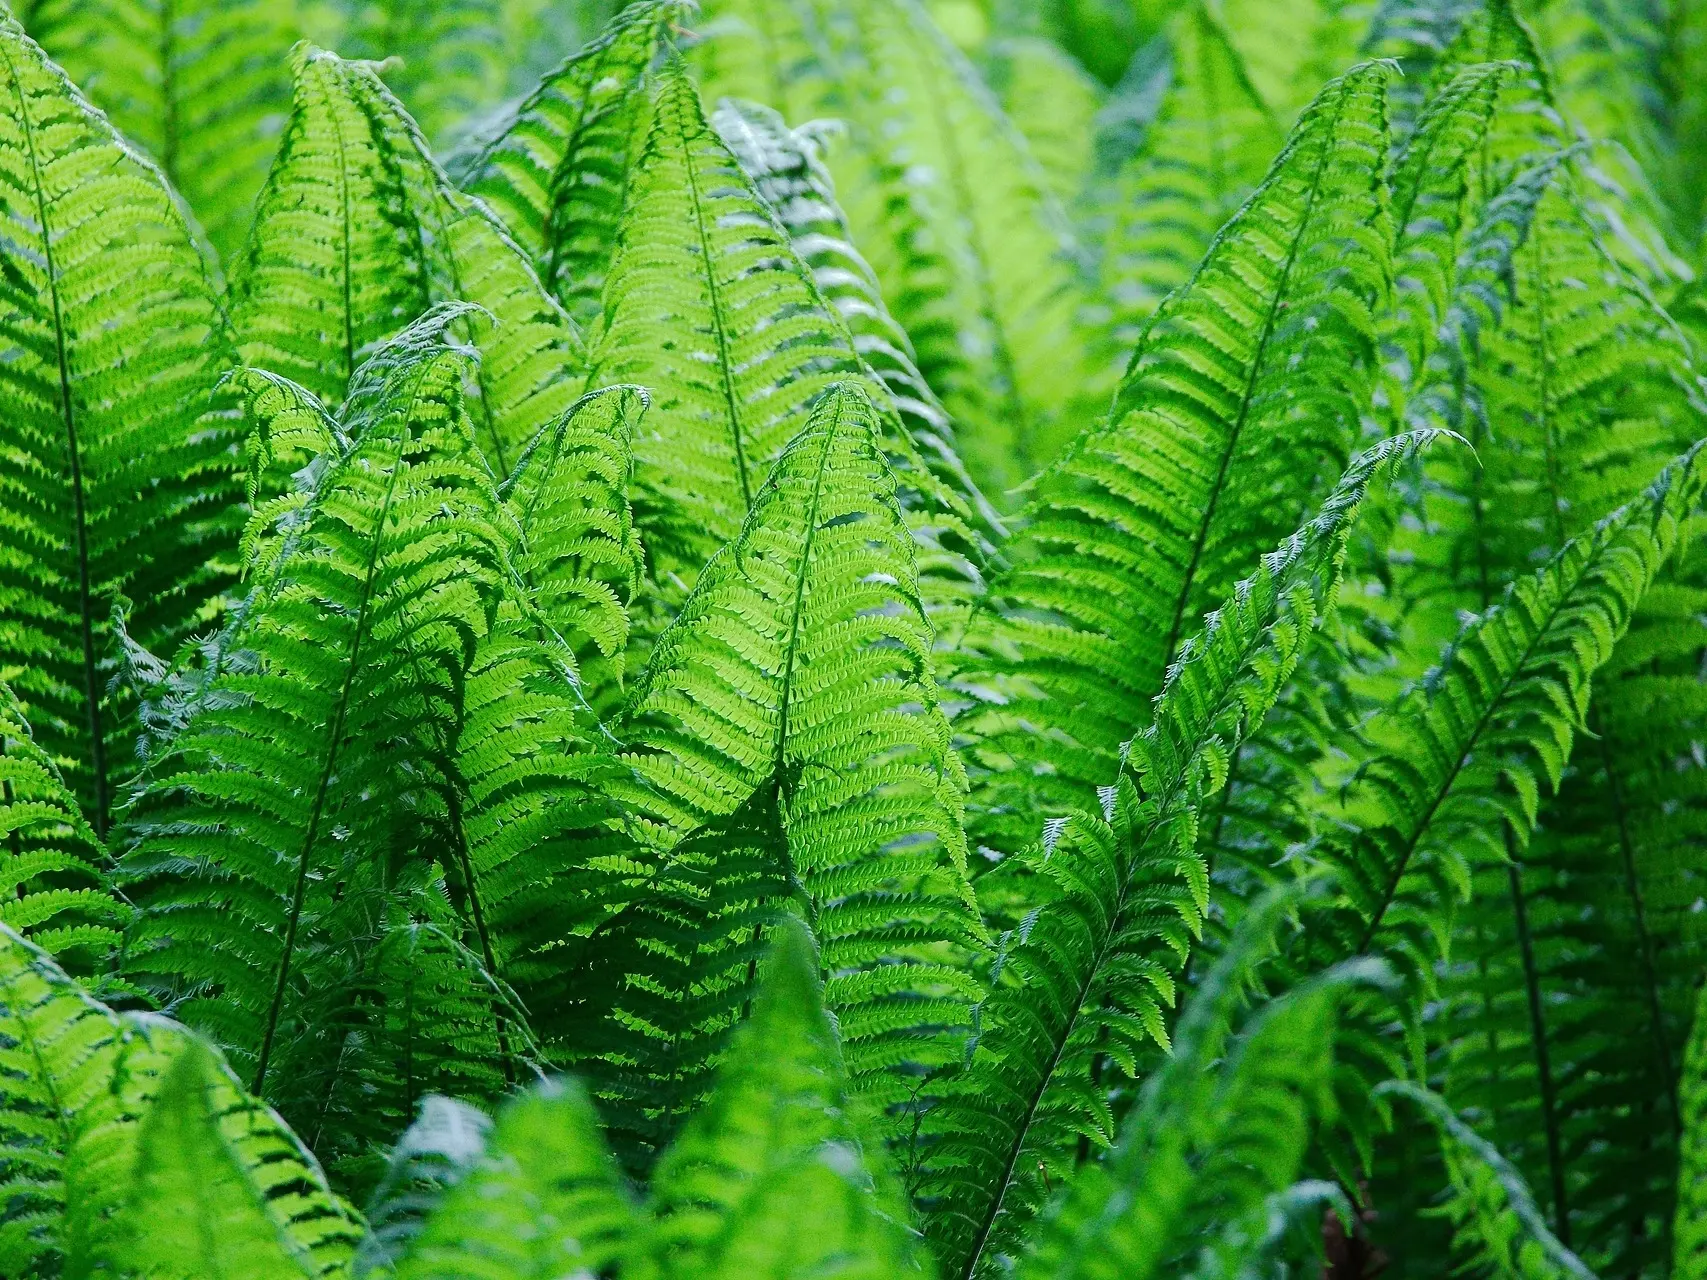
x=1218, y=1135
x=1209, y=145
x=1243, y=398
x=111, y=483
x=1456, y=770
x=796, y=682
x=1496, y=1222
x=214, y=1190
x=790, y=177
x=359, y=232
x=78, y=1083
x=198, y=84
x=317, y=777
x=1082, y=984
x=558, y=170
x=710, y=309
x=53, y=869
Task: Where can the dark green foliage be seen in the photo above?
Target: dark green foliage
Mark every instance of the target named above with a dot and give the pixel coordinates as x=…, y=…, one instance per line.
x=631, y=806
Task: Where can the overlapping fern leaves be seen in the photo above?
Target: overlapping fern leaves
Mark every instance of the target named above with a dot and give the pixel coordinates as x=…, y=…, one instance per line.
x=643, y=709
x=117, y=489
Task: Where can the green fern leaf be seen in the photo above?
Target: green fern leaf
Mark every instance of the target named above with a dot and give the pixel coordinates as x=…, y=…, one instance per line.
x=1461, y=762
x=197, y=1202
x=781, y=1174
x=1293, y=46
x=78, y=1080
x=1081, y=985
x=790, y=176
x=544, y=1200
x=199, y=85
x=316, y=774
x=558, y=170
x=1211, y=142
x=580, y=552
x=796, y=683
x=709, y=308
x=1219, y=1132
x=54, y=885
x=1495, y=1217
x=112, y=483
x=1246, y=389
x=359, y=232
x=1053, y=101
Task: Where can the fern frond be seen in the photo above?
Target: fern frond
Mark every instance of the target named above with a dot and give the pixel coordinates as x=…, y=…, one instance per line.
x=543, y=1197
x=782, y=1173
x=288, y=829
x=206, y=1198
x=112, y=481
x=78, y=1081
x=1494, y=1215
x=568, y=495
x=797, y=678
x=1209, y=145
x=1082, y=984
x=359, y=232
x=1243, y=398
x=1218, y=1132
x=709, y=308
x=1690, y=1233
x=197, y=84
x=1457, y=768
x=53, y=876
x=790, y=176
x=558, y=170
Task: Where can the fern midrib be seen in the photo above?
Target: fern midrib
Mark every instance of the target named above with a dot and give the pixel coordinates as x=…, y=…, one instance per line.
x=68, y=414
x=1258, y=363
x=714, y=294
x=334, y=737
x=1468, y=749
x=346, y=255
x=561, y=182
x=786, y=693
x=1164, y=806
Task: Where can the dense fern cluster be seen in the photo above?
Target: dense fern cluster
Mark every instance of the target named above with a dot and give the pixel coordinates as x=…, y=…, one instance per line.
x=787, y=638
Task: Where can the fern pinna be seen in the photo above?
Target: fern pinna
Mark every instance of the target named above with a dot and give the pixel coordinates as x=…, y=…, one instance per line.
x=861, y=637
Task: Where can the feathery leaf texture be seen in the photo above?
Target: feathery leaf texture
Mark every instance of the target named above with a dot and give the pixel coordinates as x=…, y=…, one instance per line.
x=557, y=171
x=1457, y=767
x=199, y=85
x=444, y=58
x=1082, y=983
x=114, y=484
x=1211, y=142
x=55, y=886
x=359, y=232
x=317, y=774
x=709, y=308
x=1245, y=390
x=77, y=1090
x=787, y=732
